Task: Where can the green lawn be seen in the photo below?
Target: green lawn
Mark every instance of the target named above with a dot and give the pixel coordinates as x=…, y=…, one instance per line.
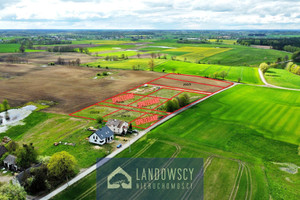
x=283, y=78
x=44, y=129
x=245, y=126
x=247, y=74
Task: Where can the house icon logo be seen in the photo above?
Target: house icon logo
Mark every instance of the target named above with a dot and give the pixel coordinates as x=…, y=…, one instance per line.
x=119, y=179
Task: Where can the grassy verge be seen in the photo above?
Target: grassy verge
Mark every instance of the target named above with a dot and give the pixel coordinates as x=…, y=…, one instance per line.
x=283, y=78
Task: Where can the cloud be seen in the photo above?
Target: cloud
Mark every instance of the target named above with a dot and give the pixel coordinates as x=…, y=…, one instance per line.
x=150, y=14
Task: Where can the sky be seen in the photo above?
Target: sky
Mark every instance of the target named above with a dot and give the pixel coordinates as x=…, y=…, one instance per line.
x=150, y=14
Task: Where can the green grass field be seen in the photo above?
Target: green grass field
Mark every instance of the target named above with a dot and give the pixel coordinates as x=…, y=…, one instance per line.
x=119, y=53
x=102, y=42
x=195, y=53
x=247, y=74
x=240, y=55
x=109, y=47
x=237, y=56
x=14, y=48
x=44, y=129
x=9, y=48
x=126, y=64
x=283, y=78
x=236, y=128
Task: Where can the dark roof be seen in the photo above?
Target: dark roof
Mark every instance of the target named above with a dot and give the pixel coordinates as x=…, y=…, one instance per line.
x=10, y=159
x=3, y=150
x=104, y=132
x=21, y=177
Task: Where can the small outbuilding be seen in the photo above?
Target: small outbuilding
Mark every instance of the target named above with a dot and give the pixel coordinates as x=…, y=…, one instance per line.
x=10, y=163
x=102, y=136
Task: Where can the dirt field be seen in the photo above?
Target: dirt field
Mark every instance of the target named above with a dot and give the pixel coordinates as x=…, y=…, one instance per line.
x=73, y=88
x=199, y=80
x=180, y=84
x=42, y=58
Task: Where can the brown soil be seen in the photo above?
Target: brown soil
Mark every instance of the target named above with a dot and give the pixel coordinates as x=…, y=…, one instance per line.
x=261, y=47
x=73, y=88
x=199, y=80
x=180, y=84
x=47, y=57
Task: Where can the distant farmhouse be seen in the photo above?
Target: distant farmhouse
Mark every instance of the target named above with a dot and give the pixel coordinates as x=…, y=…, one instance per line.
x=117, y=126
x=102, y=136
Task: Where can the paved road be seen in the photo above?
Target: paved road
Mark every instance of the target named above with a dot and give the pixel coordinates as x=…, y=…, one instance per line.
x=261, y=74
x=125, y=146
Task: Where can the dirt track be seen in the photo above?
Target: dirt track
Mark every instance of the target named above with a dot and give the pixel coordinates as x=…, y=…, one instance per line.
x=72, y=88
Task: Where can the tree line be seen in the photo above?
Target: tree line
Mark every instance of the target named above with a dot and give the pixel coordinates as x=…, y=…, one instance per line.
x=177, y=102
x=287, y=44
x=284, y=64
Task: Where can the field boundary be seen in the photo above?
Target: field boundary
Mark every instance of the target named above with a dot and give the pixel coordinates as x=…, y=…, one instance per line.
x=125, y=146
x=154, y=111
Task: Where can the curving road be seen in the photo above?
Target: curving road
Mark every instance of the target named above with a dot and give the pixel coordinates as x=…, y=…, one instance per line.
x=261, y=74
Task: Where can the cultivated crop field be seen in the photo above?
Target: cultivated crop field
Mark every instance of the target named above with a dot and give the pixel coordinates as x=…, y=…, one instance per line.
x=126, y=64
x=195, y=53
x=246, y=74
x=9, y=48
x=144, y=105
x=71, y=88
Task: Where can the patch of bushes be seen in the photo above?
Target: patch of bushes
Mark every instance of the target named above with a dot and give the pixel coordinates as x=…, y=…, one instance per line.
x=177, y=103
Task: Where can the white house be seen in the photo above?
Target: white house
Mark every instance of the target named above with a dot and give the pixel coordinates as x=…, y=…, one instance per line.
x=117, y=126
x=10, y=163
x=102, y=136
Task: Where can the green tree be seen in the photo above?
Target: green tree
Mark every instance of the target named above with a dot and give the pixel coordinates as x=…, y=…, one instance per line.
x=22, y=48
x=223, y=74
x=5, y=105
x=12, y=146
x=183, y=100
x=12, y=192
x=289, y=66
x=99, y=119
x=38, y=181
x=169, y=106
x=176, y=104
x=264, y=67
x=296, y=56
x=61, y=165
x=151, y=65
x=26, y=156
